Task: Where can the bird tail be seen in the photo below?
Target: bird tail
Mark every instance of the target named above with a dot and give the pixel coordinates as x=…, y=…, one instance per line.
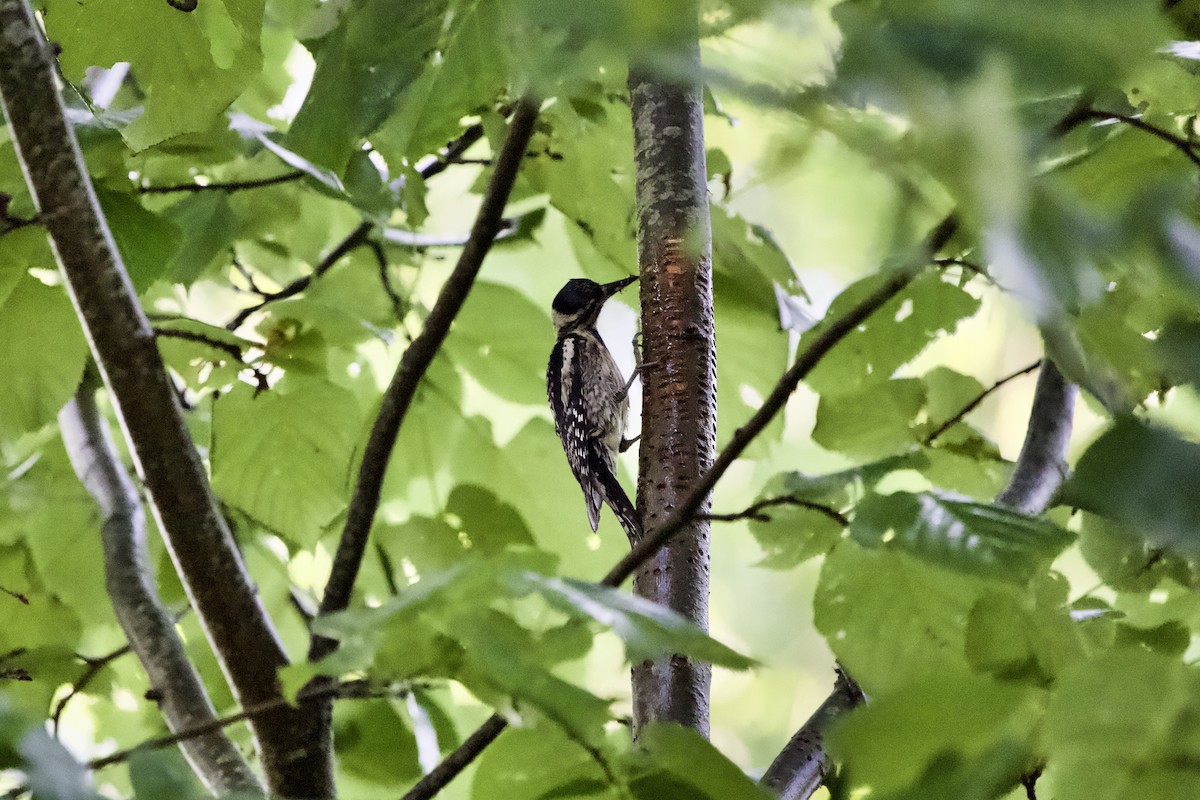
x=622, y=506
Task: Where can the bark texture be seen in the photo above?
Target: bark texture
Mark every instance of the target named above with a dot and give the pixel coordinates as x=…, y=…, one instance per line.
x=801, y=766
x=148, y=625
x=679, y=400
x=294, y=743
x=1041, y=467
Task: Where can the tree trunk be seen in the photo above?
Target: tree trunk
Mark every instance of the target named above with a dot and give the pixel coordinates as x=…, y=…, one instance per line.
x=679, y=401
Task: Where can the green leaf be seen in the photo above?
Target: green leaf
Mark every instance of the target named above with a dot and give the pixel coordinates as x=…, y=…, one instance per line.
x=872, y=422
x=42, y=350
x=1014, y=639
x=274, y=461
x=209, y=227
x=647, y=629
x=539, y=761
x=374, y=743
x=1143, y=476
x=892, y=336
x=794, y=534
x=468, y=74
x=1123, y=725
x=156, y=774
x=147, y=241
x=891, y=619
x=373, y=54
x=191, y=69
x=506, y=352
x=974, y=537
x=691, y=759
x=918, y=738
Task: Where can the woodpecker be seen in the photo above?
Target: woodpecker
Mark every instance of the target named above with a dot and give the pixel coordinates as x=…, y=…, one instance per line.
x=589, y=399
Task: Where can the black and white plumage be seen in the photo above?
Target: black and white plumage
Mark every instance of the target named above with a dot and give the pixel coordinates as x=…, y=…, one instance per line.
x=588, y=397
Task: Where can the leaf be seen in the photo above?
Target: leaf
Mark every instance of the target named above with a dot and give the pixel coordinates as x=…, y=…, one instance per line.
x=794, y=534
x=974, y=537
x=374, y=743
x=325, y=177
x=283, y=457
x=363, y=64
x=1143, y=476
x=191, y=69
x=163, y=773
x=648, y=630
x=1123, y=725
x=539, y=761
x=468, y=73
x=42, y=351
x=872, y=422
x=892, y=336
x=690, y=758
x=891, y=619
x=503, y=340
x=936, y=728
x=209, y=227
x=146, y=241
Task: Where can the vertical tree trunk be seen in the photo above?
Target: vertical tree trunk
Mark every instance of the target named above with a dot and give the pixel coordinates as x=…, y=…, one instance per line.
x=679, y=402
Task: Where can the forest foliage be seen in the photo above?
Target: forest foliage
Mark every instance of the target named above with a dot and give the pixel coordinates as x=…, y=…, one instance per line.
x=288, y=241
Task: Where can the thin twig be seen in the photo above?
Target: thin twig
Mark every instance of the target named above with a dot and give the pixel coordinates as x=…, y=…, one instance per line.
x=345, y=689
x=93, y=667
x=355, y=239
x=979, y=398
x=412, y=367
x=754, y=512
x=1175, y=140
x=475, y=744
x=233, y=350
x=223, y=186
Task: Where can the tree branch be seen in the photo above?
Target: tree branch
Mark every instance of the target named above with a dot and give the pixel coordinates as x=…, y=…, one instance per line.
x=837, y=329
x=755, y=511
x=355, y=239
x=801, y=766
x=204, y=729
x=413, y=364
x=223, y=186
x=979, y=398
x=92, y=668
x=294, y=743
x=1085, y=114
x=148, y=625
x=1041, y=466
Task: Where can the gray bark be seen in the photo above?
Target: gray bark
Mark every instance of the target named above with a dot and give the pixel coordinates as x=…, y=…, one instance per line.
x=295, y=743
x=147, y=623
x=1041, y=467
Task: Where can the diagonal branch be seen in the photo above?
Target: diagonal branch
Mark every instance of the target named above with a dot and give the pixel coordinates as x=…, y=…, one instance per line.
x=412, y=367
x=147, y=623
x=800, y=767
x=293, y=742
x=1093, y=114
x=464, y=754
x=1041, y=465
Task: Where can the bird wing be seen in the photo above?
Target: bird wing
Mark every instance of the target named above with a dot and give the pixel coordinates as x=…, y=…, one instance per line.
x=573, y=428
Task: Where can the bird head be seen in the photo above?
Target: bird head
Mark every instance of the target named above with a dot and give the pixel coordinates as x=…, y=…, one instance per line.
x=578, y=303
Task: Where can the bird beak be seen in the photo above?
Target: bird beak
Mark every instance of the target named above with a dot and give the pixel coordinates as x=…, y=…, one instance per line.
x=610, y=289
